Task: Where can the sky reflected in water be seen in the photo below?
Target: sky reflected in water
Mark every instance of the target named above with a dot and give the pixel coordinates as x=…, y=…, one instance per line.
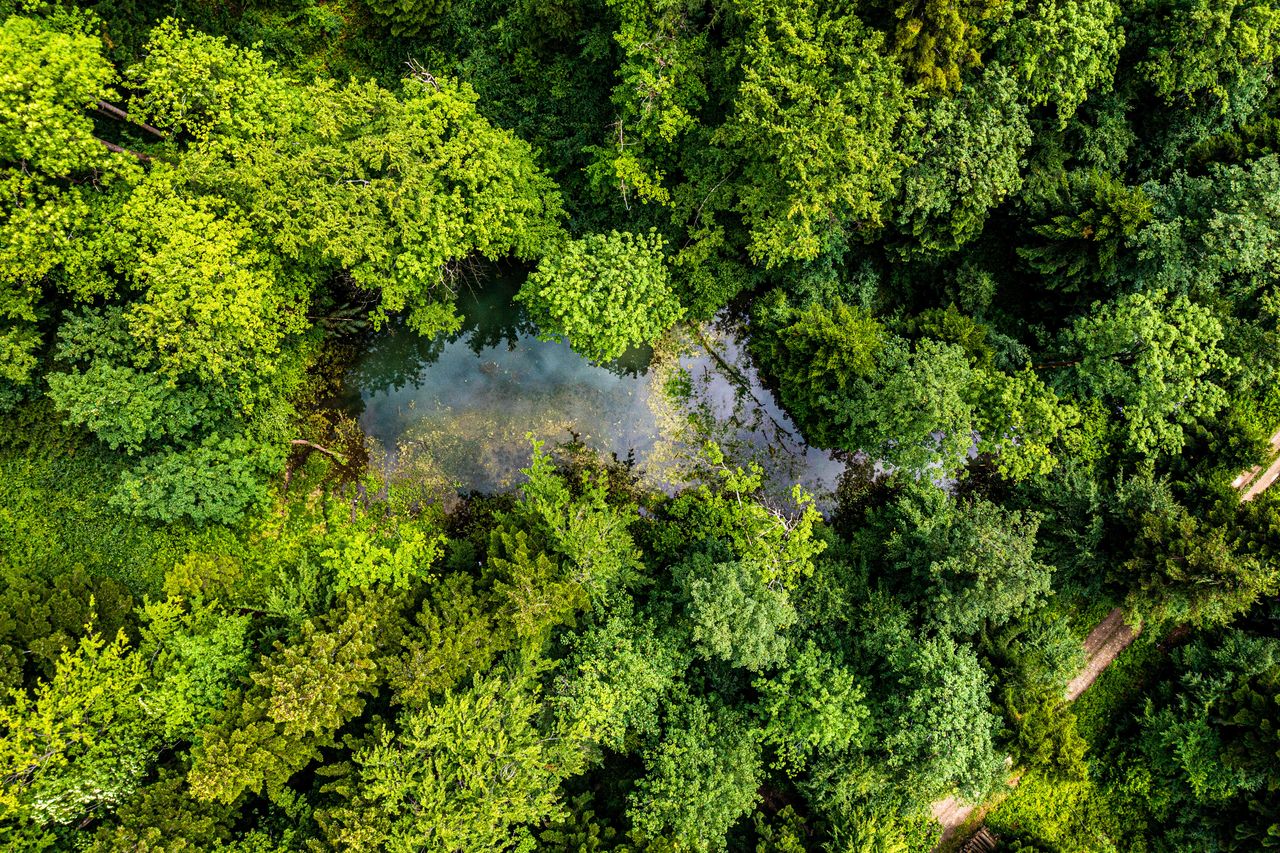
x=455, y=412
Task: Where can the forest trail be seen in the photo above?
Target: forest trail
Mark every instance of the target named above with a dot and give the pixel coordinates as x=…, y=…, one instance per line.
x=1105, y=642
x=1108, y=639
x=1253, y=484
x=951, y=814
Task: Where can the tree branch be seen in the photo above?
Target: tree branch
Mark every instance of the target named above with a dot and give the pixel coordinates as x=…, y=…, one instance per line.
x=111, y=146
x=112, y=110
x=302, y=442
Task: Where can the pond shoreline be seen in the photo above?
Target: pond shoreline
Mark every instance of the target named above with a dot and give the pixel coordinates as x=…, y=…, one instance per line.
x=455, y=414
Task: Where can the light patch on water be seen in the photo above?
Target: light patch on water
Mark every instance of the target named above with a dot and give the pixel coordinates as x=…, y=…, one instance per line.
x=456, y=414
x=465, y=420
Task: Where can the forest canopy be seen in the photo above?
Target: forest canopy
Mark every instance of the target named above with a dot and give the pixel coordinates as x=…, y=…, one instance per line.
x=1012, y=267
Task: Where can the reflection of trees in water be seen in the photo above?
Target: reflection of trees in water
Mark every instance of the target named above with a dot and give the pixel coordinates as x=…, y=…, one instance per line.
x=484, y=448
x=714, y=392
x=702, y=386
x=633, y=362
x=490, y=315
x=470, y=431
x=395, y=357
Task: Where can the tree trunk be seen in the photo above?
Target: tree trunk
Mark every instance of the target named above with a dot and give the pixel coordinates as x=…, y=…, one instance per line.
x=115, y=112
x=111, y=146
x=302, y=442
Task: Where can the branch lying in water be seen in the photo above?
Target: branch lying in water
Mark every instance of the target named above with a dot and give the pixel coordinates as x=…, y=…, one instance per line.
x=302, y=442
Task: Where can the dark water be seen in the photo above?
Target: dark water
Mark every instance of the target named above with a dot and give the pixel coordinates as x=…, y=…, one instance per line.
x=457, y=412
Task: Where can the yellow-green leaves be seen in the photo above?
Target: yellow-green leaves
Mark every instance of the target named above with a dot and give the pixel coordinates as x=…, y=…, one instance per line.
x=302, y=694
x=401, y=558
x=938, y=39
x=78, y=741
x=202, y=86
x=463, y=774
x=210, y=307
x=1217, y=48
x=1020, y=419
x=47, y=81
x=397, y=191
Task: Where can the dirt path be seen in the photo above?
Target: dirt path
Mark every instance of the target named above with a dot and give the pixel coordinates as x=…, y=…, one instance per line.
x=1261, y=483
x=1108, y=639
x=950, y=814
x=1251, y=483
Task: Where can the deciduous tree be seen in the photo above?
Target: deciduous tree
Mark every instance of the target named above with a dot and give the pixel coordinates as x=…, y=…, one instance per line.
x=1156, y=358
x=812, y=124
x=605, y=293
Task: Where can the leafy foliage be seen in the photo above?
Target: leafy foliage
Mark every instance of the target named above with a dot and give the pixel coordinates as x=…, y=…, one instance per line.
x=937, y=40
x=811, y=123
x=78, y=741
x=1010, y=268
x=1157, y=358
x=461, y=774
x=966, y=157
x=606, y=293
x=50, y=79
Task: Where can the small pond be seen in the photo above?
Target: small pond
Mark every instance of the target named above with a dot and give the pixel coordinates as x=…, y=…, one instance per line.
x=455, y=413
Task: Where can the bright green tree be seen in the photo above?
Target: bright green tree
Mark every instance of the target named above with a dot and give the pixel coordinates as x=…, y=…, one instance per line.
x=1061, y=50
x=469, y=772
x=51, y=79
x=46, y=142
x=457, y=633
x=735, y=615
x=661, y=87
x=618, y=676
x=701, y=777
x=202, y=86
x=967, y=157
x=79, y=741
x=812, y=125
x=163, y=816
x=301, y=695
x=605, y=293
x=197, y=656
x=1019, y=421
x=398, y=191
x=939, y=731
x=819, y=348
x=578, y=521
x=1157, y=359
x=1214, y=48
x=724, y=508
x=814, y=703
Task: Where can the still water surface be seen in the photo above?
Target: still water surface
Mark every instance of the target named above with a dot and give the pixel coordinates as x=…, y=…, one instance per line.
x=455, y=412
